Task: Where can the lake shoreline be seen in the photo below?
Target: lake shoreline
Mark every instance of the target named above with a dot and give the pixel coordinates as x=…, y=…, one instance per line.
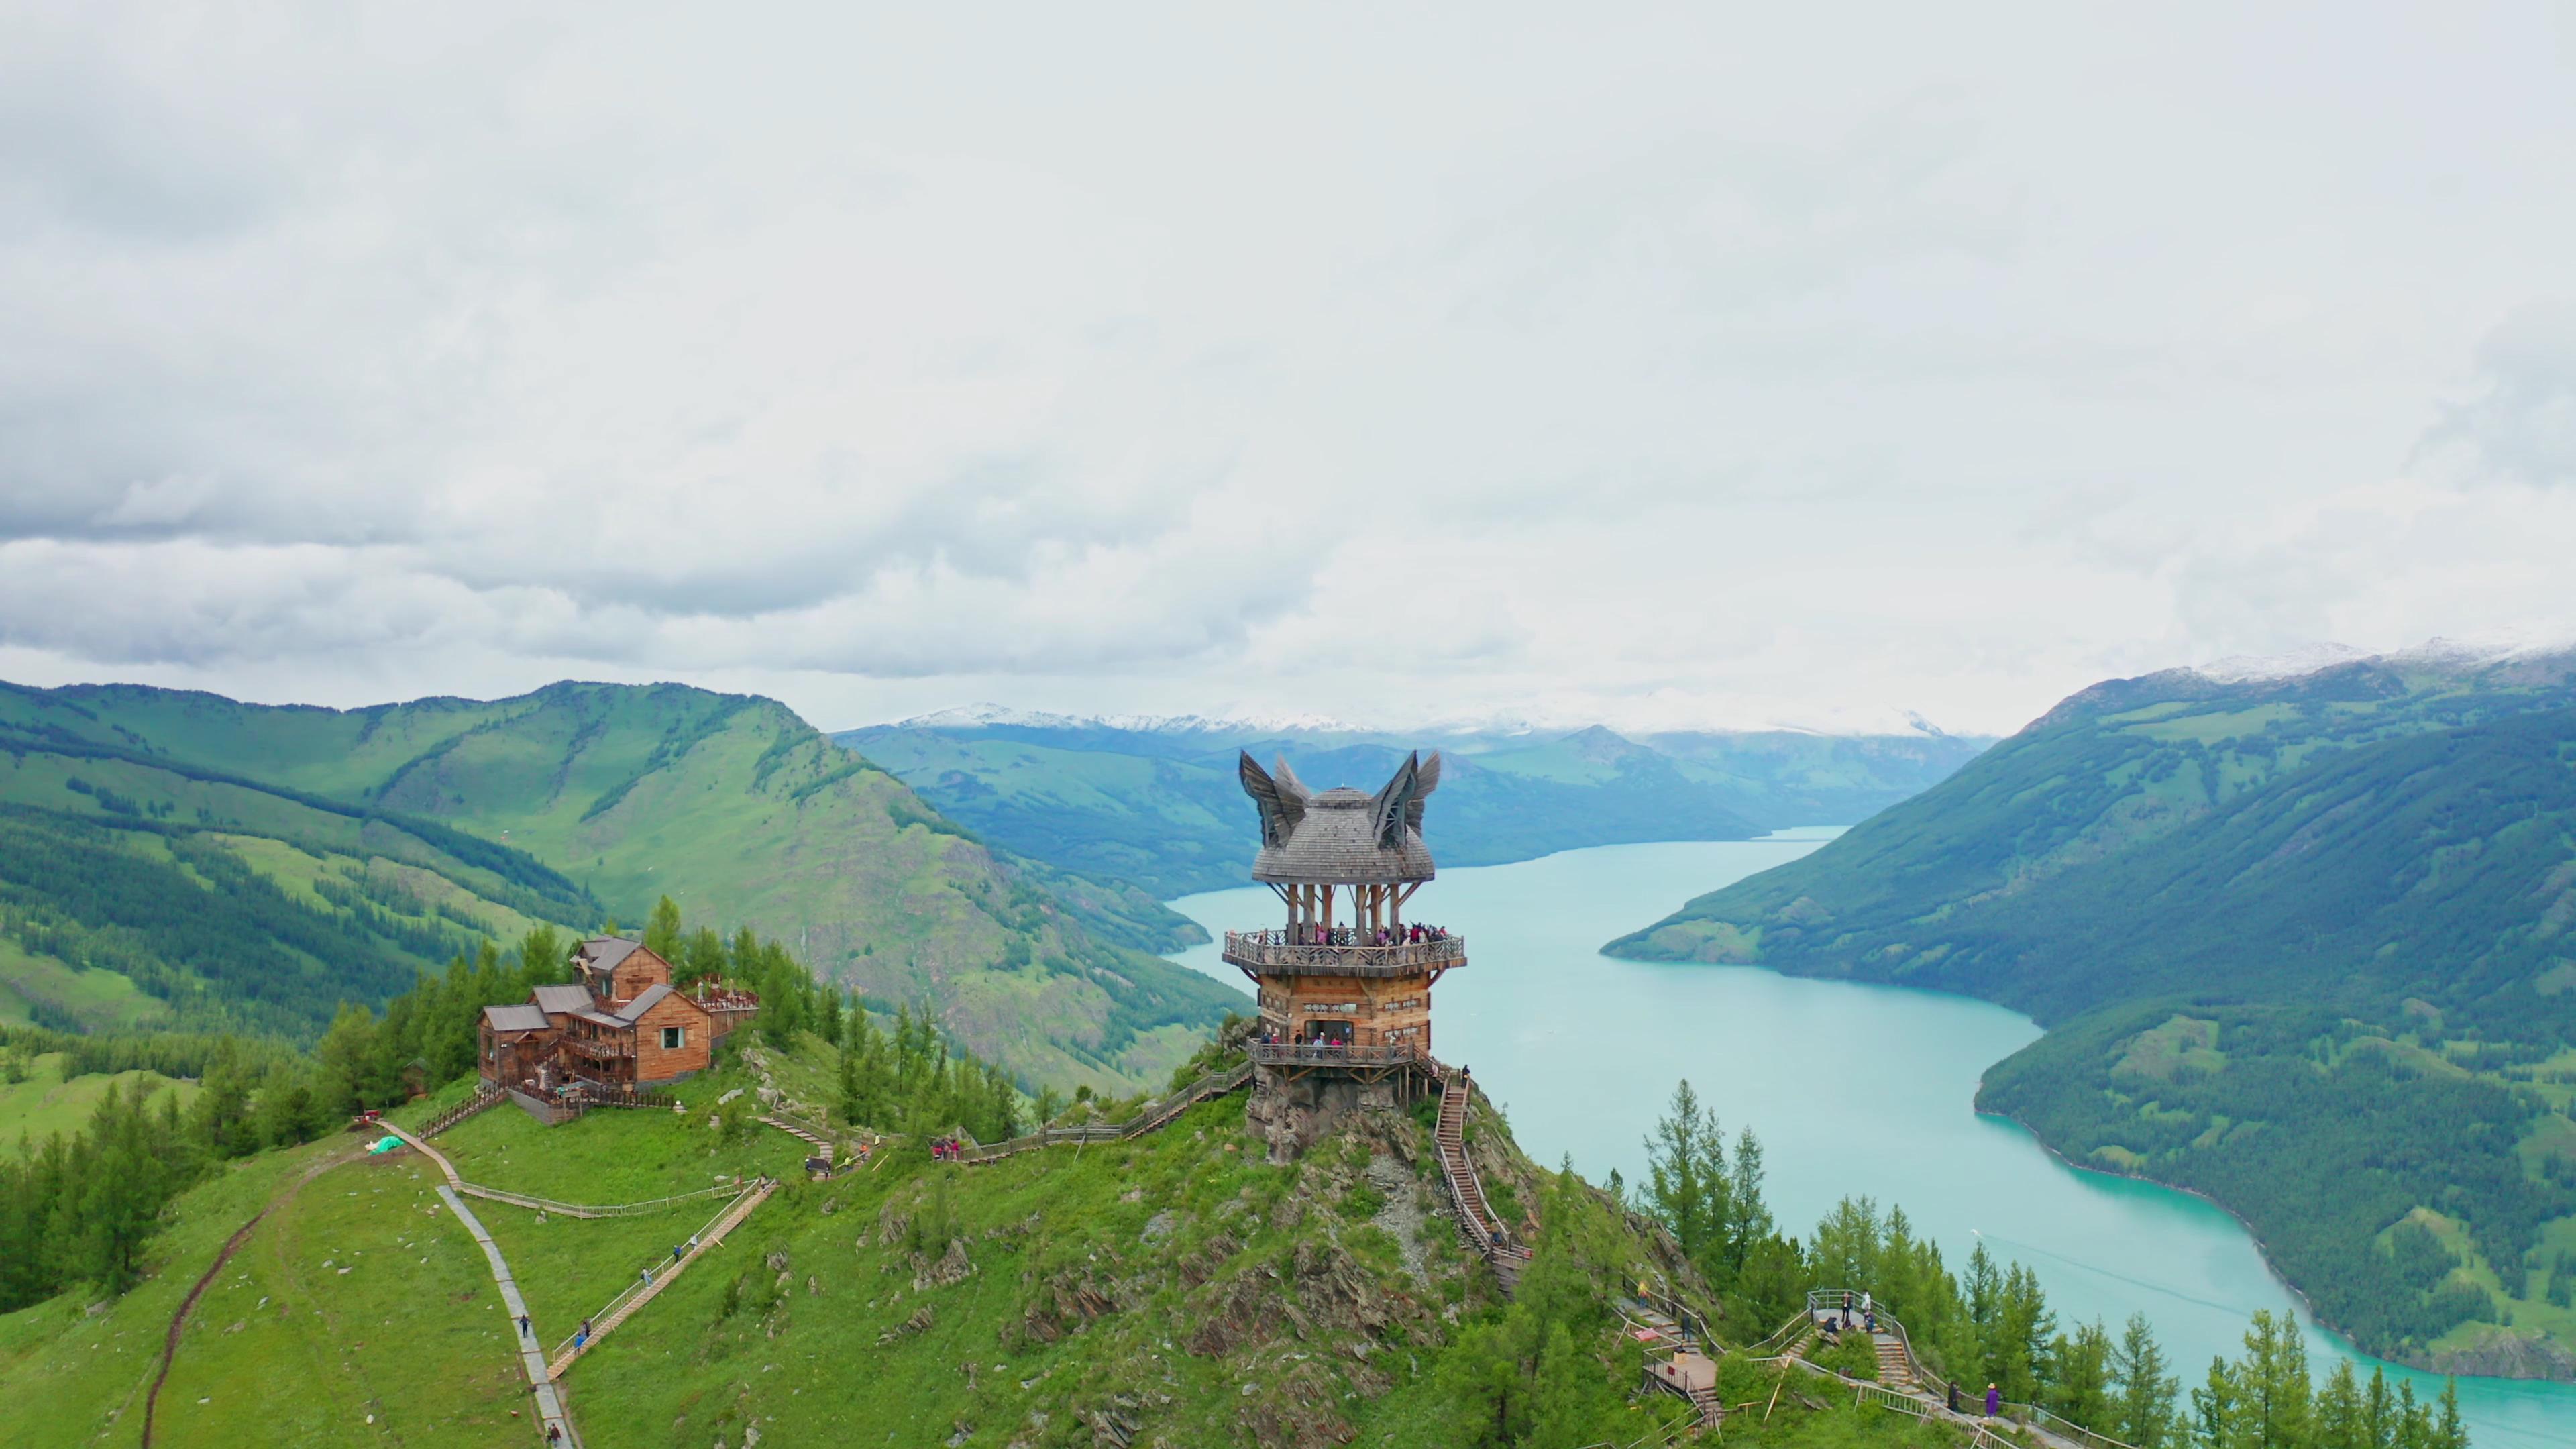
x=1855, y=1088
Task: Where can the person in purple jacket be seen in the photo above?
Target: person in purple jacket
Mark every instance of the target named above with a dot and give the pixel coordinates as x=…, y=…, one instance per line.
x=1994, y=1400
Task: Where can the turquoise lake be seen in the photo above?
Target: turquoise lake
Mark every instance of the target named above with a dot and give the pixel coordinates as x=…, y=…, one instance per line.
x=1859, y=1090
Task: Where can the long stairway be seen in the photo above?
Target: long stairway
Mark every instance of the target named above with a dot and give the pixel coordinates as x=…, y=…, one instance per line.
x=625, y=1307
x=1484, y=1232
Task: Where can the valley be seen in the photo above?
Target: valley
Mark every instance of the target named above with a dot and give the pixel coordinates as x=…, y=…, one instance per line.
x=1154, y=802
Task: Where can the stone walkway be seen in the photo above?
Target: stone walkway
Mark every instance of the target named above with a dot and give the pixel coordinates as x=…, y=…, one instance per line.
x=532, y=1359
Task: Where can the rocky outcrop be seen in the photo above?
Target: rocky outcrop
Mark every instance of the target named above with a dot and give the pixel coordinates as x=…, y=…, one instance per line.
x=2505, y=1354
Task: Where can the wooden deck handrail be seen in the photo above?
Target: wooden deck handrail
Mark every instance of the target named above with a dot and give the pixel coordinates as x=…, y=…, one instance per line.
x=1215, y=1084
x=1272, y=951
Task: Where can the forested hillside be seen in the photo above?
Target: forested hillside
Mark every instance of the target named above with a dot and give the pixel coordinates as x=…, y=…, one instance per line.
x=1160, y=807
x=422, y=827
x=2303, y=944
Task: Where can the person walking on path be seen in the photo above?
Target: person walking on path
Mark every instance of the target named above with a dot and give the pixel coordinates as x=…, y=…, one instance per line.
x=523, y=1326
x=1994, y=1400
x=675, y=1252
x=1954, y=1396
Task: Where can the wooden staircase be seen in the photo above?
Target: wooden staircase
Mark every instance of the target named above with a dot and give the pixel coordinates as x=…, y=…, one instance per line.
x=1484, y=1233
x=799, y=1130
x=1895, y=1366
x=626, y=1306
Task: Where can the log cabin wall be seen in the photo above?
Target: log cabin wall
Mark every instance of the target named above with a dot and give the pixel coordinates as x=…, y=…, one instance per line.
x=655, y=1062
x=1381, y=1011
x=640, y=969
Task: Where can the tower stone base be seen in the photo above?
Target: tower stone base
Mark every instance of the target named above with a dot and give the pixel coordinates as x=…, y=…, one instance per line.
x=1292, y=1115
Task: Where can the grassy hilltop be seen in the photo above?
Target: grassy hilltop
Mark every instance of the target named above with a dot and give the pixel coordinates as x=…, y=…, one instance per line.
x=1175, y=1290
x=340, y=849
x=2302, y=945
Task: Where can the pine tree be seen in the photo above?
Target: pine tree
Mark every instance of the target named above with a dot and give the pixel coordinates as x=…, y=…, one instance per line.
x=2339, y=1413
x=662, y=930
x=2217, y=1410
x=2146, y=1392
x=2276, y=1385
x=2449, y=1432
x=1686, y=1180
x=2379, y=1416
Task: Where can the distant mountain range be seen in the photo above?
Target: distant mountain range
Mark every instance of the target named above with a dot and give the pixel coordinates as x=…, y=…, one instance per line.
x=2303, y=939
x=177, y=857
x=1154, y=801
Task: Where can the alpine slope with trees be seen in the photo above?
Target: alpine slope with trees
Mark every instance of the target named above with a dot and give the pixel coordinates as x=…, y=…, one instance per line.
x=176, y=859
x=2301, y=946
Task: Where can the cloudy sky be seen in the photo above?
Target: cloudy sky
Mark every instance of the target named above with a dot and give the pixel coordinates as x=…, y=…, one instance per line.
x=1702, y=365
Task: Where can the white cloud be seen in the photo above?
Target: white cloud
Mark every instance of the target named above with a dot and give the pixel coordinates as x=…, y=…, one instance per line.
x=1659, y=366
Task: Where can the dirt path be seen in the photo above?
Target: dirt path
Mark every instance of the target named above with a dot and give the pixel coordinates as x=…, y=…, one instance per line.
x=232, y=1245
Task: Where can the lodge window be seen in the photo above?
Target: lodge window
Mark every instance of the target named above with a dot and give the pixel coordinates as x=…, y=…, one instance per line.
x=671, y=1038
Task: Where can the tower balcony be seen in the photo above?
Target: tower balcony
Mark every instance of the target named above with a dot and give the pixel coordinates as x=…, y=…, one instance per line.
x=1271, y=953
x=1327, y=1054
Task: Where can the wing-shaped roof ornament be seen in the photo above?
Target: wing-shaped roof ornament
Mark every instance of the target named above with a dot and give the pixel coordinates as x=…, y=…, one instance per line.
x=1282, y=800
x=1395, y=806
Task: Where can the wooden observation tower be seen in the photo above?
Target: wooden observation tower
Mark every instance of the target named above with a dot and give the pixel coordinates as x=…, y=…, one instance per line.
x=1345, y=985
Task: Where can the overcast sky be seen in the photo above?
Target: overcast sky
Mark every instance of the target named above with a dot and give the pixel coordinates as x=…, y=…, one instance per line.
x=1709, y=365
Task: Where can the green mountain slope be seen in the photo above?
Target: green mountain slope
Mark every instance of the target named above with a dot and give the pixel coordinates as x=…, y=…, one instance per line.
x=2304, y=946
x=604, y=798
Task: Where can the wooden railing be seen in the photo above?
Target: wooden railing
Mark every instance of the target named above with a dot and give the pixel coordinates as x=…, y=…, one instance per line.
x=1215, y=1084
x=591, y=1210
x=486, y=1095
x=1273, y=951
x=2047, y=1425
x=598, y=1049
x=1327, y=1054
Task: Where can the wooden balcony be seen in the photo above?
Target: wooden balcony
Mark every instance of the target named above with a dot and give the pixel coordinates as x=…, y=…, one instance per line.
x=1324, y=1054
x=1270, y=953
x=601, y=1049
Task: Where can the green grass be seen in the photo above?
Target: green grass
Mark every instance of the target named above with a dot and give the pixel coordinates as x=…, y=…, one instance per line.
x=45, y=1104
x=377, y=1303
x=72, y=1377
x=100, y=1000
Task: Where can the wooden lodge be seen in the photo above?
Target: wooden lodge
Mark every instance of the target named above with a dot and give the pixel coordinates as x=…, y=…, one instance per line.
x=1344, y=984
x=620, y=1025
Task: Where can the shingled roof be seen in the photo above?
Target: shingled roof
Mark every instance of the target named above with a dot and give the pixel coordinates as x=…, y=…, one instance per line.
x=1341, y=837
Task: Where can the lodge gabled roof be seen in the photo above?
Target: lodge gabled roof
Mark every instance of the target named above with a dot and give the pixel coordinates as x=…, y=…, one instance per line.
x=602, y=953
x=517, y=1016
x=563, y=1000
x=645, y=1000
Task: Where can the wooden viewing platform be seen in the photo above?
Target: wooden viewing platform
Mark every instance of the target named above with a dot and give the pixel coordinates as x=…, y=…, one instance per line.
x=1271, y=953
